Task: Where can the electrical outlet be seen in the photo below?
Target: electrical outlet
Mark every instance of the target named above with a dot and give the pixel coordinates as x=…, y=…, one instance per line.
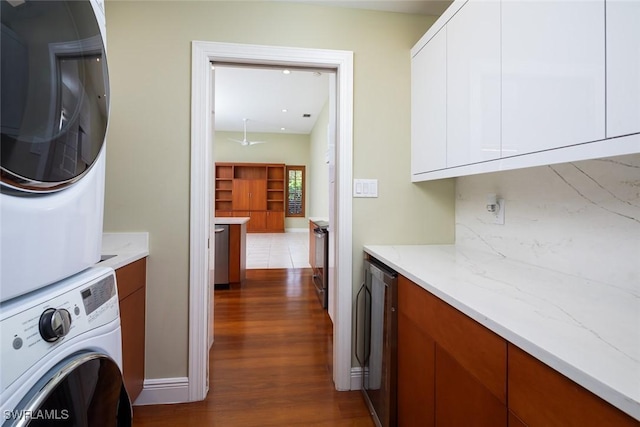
x=498, y=216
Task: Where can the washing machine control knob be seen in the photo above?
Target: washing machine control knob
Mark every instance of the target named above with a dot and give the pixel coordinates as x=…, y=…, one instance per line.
x=54, y=324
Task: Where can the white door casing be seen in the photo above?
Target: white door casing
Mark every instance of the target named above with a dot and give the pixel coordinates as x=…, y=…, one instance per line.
x=203, y=53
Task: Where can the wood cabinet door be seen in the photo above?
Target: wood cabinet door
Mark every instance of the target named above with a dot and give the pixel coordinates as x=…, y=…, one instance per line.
x=132, y=322
x=241, y=194
x=462, y=400
x=429, y=106
x=258, y=222
x=553, y=74
x=249, y=194
x=275, y=221
x=416, y=375
x=541, y=396
x=623, y=67
x=477, y=349
x=258, y=195
x=131, y=280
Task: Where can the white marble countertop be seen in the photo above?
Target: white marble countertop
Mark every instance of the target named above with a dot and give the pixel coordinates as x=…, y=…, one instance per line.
x=127, y=248
x=231, y=220
x=587, y=330
x=318, y=218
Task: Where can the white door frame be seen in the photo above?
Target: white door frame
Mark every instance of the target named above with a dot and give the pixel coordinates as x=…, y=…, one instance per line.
x=202, y=54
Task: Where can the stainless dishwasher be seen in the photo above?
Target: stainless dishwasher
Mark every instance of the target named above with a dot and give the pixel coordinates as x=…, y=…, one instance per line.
x=221, y=263
x=376, y=340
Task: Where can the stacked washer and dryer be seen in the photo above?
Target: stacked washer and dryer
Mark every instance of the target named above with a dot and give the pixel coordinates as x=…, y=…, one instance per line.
x=60, y=337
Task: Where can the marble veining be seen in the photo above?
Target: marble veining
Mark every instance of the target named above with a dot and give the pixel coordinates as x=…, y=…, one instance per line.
x=561, y=277
x=579, y=218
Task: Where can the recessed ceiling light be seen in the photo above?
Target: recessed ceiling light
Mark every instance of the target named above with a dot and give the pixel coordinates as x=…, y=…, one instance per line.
x=284, y=110
x=282, y=128
x=285, y=71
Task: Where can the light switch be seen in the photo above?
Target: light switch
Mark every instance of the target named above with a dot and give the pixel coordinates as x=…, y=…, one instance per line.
x=365, y=188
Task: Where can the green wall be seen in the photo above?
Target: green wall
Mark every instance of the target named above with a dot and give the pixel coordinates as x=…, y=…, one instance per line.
x=148, y=148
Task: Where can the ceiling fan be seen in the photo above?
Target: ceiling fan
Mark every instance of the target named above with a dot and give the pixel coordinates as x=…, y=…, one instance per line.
x=245, y=142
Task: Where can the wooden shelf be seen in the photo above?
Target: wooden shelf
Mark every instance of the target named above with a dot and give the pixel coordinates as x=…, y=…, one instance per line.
x=256, y=190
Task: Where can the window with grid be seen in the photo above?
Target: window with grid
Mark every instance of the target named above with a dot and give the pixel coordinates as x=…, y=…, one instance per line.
x=295, y=191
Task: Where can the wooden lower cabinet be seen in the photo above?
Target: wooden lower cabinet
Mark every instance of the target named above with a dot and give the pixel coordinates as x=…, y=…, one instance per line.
x=237, y=252
x=257, y=221
x=131, y=280
x=462, y=399
x=416, y=374
x=541, y=396
x=275, y=221
x=452, y=371
x=514, y=421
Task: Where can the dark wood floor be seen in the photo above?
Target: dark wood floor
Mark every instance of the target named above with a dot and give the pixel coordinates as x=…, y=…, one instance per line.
x=270, y=363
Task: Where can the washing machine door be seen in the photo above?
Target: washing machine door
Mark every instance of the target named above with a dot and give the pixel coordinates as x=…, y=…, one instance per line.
x=84, y=390
x=55, y=93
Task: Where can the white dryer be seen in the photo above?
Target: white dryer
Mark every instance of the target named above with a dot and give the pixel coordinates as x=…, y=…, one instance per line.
x=61, y=355
x=53, y=119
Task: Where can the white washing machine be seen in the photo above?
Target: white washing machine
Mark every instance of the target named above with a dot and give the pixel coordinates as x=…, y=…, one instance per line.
x=53, y=119
x=61, y=355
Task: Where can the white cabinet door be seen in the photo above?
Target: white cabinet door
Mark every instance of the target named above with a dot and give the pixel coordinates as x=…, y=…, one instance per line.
x=429, y=106
x=473, y=83
x=623, y=67
x=553, y=74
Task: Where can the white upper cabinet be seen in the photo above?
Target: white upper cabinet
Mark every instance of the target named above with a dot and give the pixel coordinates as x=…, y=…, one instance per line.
x=429, y=106
x=553, y=74
x=623, y=67
x=473, y=83
x=510, y=84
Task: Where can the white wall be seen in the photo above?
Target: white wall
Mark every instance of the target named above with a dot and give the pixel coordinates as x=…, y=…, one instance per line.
x=580, y=218
x=318, y=170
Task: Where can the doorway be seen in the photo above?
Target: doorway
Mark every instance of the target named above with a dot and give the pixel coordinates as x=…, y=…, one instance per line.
x=203, y=53
x=274, y=115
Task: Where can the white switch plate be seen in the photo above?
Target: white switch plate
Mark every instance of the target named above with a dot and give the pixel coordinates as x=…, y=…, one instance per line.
x=365, y=188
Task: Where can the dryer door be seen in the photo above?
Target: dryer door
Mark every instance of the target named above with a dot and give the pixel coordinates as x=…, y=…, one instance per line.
x=55, y=93
x=83, y=390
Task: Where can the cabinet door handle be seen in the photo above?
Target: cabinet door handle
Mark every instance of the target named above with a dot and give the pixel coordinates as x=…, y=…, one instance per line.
x=358, y=324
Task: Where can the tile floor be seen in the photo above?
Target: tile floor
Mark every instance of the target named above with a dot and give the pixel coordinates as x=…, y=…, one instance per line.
x=278, y=250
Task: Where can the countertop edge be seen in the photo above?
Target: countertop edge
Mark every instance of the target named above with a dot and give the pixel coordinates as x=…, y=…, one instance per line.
x=127, y=248
x=231, y=220
x=123, y=259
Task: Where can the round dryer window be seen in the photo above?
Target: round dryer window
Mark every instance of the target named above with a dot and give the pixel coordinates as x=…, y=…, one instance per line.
x=85, y=390
x=55, y=93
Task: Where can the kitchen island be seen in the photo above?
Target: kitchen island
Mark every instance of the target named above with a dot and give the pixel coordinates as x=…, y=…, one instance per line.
x=588, y=331
x=237, y=246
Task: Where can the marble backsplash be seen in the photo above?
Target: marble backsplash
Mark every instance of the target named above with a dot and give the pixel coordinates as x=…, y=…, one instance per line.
x=579, y=218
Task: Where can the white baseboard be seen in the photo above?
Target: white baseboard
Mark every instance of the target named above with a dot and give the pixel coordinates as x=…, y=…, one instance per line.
x=164, y=390
x=356, y=378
